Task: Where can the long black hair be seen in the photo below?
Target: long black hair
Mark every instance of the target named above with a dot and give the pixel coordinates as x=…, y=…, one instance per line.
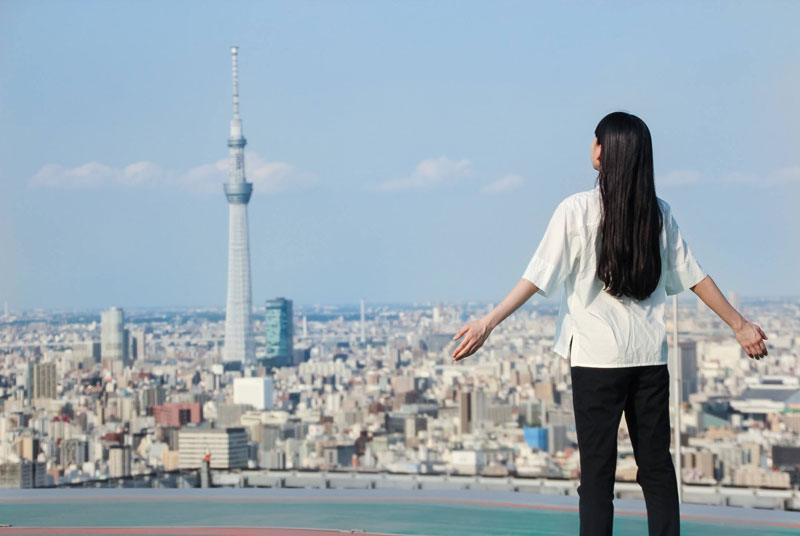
x=629, y=262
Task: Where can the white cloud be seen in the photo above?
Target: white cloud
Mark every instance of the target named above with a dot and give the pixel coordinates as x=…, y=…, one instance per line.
x=274, y=177
x=503, y=184
x=93, y=174
x=266, y=176
x=430, y=172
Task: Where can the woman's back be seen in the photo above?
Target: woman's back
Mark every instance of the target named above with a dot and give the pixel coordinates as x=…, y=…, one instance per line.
x=594, y=328
x=618, y=252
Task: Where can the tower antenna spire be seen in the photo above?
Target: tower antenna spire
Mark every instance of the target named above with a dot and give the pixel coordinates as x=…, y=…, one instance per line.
x=234, y=54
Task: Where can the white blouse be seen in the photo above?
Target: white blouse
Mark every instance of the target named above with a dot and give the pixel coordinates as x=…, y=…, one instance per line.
x=595, y=329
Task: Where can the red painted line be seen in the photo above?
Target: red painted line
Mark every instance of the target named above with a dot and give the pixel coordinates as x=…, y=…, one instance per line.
x=378, y=499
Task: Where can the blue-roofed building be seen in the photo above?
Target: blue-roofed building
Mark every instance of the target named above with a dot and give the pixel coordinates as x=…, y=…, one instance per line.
x=535, y=437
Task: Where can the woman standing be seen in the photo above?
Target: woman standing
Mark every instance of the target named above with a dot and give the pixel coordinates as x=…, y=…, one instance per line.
x=618, y=252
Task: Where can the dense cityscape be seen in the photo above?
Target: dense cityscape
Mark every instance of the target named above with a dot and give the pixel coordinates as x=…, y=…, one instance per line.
x=101, y=395
x=88, y=396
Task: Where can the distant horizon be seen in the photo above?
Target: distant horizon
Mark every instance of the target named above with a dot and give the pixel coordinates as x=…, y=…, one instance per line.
x=531, y=303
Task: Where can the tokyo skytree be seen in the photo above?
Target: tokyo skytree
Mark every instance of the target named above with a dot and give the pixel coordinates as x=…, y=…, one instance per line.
x=239, y=343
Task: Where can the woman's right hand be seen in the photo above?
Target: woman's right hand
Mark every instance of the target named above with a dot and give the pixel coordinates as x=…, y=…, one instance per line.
x=477, y=332
x=750, y=337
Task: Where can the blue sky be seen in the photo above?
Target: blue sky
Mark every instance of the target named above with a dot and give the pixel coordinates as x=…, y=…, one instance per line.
x=401, y=151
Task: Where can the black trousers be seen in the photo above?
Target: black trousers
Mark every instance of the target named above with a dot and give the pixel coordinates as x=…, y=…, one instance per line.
x=600, y=395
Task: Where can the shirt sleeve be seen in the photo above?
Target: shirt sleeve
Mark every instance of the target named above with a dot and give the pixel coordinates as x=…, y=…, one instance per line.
x=554, y=258
x=683, y=270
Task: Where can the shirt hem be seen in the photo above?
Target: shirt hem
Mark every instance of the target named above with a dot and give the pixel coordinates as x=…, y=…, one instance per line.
x=659, y=359
x=616, y=365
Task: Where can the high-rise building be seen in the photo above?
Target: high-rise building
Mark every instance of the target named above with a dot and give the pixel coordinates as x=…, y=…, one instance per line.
x=29, y=379
x=44, y=380
x=74, y=451
x=556, y=438
x=29, y=446
x=255, y=391
x=280, y=332
x=227, y=447
x=89, y=350
x=125, y=409
x=113, y=335
x=178, y=414
x=239, y=342
x=23, y=474
x=478, y=411
x=688, y=353
x=464, y=412
x=137, y=345
x=363, y=327
x=119, y=461
x=150, y=396
x=302, y=354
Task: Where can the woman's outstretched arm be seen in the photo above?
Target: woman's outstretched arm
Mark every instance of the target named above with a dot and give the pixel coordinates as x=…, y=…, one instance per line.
x=478, y=331
x=521, y=293
x=747, y=333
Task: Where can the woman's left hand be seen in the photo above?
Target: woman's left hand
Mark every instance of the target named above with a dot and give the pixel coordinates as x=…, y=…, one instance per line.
x=477, y=332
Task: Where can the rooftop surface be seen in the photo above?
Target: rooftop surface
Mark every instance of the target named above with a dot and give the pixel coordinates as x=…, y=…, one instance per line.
x=321, y=512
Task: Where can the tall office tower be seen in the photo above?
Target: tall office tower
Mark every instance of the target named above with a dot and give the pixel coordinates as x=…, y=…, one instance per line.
x=305, y=327
x=478, y=411
x=280, y=332
x=44, y=380
x=137, y=344
x=29, y=379
x=688, y=353
x=363, y=335
x=113, y=335
x=464, y=412
x=239, y=343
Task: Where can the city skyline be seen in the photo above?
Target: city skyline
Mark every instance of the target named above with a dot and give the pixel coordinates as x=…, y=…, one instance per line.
x=350, y=390
x=366, y=156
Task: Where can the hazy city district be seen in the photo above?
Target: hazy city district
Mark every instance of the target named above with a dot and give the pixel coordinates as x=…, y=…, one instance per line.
x=90, y=397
